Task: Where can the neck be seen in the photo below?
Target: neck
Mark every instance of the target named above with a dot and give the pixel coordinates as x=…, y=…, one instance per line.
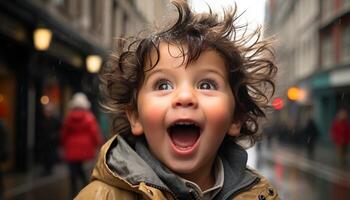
x=204, y=178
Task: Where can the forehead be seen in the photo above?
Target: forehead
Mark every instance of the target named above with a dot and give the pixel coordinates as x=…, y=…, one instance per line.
x=173, y=55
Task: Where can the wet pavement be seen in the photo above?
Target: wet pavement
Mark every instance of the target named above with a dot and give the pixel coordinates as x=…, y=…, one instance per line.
x=34, y=185
x=293, y=174
x=298, y=177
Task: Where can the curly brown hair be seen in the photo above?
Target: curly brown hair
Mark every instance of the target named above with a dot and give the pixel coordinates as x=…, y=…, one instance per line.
x=250, y=65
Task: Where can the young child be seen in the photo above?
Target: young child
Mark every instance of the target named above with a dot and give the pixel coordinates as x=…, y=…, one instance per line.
x=182, y=98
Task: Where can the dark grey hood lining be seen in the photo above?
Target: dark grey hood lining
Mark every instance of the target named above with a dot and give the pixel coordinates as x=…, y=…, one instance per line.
x=138, y=165
x=124, y=161
x=178, y=187
x=237, y=177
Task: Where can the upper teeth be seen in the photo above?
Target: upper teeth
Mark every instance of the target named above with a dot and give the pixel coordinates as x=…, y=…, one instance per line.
x=185, y=123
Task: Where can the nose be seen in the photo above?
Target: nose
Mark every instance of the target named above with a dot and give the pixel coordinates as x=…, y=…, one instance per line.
x=185, y=97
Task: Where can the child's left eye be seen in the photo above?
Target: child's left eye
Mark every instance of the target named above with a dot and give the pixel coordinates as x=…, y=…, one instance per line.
x=207, y=85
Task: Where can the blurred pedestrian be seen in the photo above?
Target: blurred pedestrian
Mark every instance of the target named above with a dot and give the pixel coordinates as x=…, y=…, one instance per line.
x=80, y=137
x=4, y=152
x=310, y=133
x=48, y=138
x=340, y=133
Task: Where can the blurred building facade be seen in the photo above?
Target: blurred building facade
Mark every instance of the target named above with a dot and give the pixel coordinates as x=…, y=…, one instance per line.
x=31, y=78
x=313, y=53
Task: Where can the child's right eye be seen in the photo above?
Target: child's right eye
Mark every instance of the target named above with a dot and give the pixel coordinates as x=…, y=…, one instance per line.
x=163, y=85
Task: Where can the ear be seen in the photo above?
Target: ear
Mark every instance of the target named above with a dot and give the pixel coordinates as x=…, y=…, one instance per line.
x=136, y=125
x=234, y=129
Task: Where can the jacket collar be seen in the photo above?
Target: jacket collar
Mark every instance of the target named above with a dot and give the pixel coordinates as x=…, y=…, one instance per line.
x=122, y=166
x=104, y=173
x=237, y=177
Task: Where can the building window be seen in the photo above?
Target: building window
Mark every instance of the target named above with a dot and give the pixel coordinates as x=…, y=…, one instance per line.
x=327, y=8
x=114, y=23
x=346, y=3
x=327, y=53
x=345, y=50
x=125, y=25
x=78, y=9
x=96, y=17
x=59, y=2
x=62, y=6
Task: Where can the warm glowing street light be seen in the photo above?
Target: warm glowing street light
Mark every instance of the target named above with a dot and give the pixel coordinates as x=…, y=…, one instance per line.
x=293, y=93
x=93, y=63
x=45, y=100
x=296, y=94
x=42, y=38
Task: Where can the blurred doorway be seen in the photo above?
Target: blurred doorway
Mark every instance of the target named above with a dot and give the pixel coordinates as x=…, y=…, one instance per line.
x=7, y=113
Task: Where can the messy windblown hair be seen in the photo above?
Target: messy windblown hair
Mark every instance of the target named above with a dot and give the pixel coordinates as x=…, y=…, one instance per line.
x=249, y=62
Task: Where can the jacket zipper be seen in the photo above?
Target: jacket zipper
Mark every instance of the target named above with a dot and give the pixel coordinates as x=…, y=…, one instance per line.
x=257, y=180
x=195, y=194
x=162, y=189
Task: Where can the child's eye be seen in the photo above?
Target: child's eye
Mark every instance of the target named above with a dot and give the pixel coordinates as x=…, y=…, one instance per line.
x=163, y=85
x=207, y=85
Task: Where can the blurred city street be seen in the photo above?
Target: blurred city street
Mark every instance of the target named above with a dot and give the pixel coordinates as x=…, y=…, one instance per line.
x=52, y=50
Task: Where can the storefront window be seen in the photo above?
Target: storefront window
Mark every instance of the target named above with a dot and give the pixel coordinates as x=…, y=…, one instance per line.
x=345, y=51
x=51, y=93
x=346, y=3
x=327, y=8
x=327, y=53
x=7, y=113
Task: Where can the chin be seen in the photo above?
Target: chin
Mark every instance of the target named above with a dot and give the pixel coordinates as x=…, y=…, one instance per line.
x=183, y=167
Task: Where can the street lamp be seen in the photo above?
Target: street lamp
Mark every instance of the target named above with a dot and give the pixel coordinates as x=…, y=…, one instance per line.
x=42, y=38
x=93, y=63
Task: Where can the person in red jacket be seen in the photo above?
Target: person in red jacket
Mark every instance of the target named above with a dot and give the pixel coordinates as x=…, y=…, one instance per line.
x=80, y=137
x=340, y=132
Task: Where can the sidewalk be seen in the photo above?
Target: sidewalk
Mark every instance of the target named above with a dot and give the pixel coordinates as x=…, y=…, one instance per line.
x=17, y=184
x=323, y=164
x=34, y=185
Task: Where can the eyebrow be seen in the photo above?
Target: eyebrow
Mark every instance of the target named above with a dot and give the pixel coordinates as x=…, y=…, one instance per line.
x=153, y=71
x=216, y=72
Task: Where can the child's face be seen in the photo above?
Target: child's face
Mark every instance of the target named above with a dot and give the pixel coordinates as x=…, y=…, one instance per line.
x=185, y=113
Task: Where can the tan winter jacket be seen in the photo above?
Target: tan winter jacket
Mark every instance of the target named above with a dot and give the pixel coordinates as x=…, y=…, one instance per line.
x=106, y=184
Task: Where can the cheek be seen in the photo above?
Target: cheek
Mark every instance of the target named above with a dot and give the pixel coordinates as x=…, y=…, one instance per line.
x=220, y=113
x=151, y=114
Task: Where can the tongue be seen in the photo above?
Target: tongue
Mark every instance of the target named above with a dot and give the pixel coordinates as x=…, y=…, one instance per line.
x=184, y=138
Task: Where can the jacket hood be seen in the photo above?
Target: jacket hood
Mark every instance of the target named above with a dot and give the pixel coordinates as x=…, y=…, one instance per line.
x=122, y=166
x=132, y=168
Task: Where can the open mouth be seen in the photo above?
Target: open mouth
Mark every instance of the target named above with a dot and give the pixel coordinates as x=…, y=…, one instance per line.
x=184, y=135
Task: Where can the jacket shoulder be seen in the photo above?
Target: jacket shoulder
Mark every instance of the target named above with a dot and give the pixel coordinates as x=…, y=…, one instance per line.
x=262, y=190
x=103, y=191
